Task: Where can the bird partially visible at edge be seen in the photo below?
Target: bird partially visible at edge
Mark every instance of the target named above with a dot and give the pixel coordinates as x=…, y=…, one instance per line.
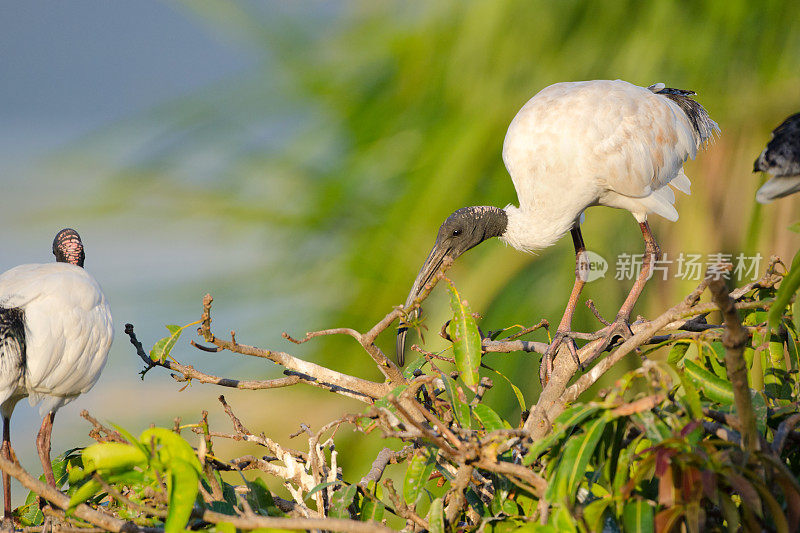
x=55, y=334
x=572, y=146
x=781, y=159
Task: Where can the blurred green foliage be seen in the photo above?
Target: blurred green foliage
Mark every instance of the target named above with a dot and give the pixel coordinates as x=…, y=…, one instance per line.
x=362, y=126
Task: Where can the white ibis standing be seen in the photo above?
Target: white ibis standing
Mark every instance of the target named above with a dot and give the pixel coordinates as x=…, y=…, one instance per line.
x=781, y=158
x=55, y=333
x=572, y=146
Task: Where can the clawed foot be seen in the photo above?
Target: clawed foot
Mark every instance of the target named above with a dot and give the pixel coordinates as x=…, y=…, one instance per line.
x=546, y=368
x=613, y=334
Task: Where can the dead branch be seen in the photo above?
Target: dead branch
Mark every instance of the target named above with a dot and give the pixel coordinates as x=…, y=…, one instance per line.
x=315, y=375
x=385, y=457
x=99, y=430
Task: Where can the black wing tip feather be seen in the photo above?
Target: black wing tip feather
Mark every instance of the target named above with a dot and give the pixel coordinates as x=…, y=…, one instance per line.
x=677, y=92
x=702, y=125
x=12, y=331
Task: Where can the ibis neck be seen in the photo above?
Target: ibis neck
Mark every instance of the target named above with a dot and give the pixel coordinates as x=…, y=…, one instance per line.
x=529, y=230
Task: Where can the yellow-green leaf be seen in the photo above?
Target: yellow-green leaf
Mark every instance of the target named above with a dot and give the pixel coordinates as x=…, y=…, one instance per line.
x=490, y=420
x=162, y=348
x=789, y=286
x=466, y=339
x=417, y=473
x=436, y=517
x=112, y=456
x=715, y=388
x=638, y=517
x=574, y=459
x=341, y=500
x=83, y=493
x=170, y=446
x=571, y=417
x=183, y=486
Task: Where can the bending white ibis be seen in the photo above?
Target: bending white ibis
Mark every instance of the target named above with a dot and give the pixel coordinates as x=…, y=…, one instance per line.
x=572, y=146
x=55, y=333
x=781, y=158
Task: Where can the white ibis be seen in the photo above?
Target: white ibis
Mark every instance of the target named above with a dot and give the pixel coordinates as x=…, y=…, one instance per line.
x=55, y=333
x=572, y=146
x=781, y=158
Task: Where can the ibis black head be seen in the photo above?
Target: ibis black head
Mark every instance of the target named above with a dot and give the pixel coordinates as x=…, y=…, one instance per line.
x=464, y=229
x=68, y=248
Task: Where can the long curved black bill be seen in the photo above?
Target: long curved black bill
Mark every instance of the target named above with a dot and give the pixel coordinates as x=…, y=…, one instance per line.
x=426, y=273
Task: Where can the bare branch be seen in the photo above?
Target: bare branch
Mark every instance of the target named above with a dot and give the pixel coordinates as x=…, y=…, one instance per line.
x=734, y=339
x=385, y=457
x=315, y=375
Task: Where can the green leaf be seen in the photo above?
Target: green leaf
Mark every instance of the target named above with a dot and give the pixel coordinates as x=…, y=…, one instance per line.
x=491, y=421
x=162, y=348
x=260, y=498
x=760, y=410
x=691, y=396
x=112, y=456
x=783, y=296
x=563, y=521
x=341, y=500
x=574, y=458
x=183, y=486
x=535, y=528
x=594, y=514
x=417, y=473
x=318, y=488
x=412, y=366
x=460, y=409
x=224, y=527
x=76, y=474
x=29, y=513
x=571, y=417
x=436, y=516
x=677, y=351
x=638, y=517
x=715, y=388
x=729, y=511
x=371, y=510
x=63, y=466
x=170, y=446
x=83, y=493
x=466, y=339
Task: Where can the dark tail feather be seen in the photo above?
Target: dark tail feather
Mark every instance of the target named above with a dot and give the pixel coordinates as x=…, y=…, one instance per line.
x=12, y=340
x=702, y=125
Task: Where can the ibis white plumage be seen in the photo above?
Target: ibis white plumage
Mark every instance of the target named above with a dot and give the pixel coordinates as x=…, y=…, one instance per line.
x=572, y=146
x=55, y=333
x=781, y=159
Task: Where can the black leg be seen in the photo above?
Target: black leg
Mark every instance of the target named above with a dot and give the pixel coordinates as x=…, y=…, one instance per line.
x=6, y=451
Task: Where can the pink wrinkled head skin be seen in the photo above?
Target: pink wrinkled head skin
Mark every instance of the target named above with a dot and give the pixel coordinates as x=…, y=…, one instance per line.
x=68, y=248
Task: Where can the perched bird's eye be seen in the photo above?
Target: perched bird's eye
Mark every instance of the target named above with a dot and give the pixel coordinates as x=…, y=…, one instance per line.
x=456, y=232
